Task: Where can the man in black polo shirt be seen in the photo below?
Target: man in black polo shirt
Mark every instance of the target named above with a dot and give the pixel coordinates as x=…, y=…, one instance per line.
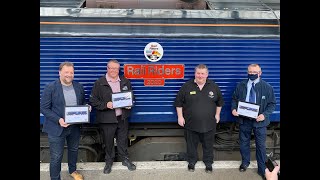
x=198, y=103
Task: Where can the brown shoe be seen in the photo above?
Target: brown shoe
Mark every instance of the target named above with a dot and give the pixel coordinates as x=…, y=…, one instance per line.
x=76, y=176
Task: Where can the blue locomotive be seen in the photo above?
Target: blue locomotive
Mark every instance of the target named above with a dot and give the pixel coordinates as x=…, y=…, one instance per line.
x=226, y=36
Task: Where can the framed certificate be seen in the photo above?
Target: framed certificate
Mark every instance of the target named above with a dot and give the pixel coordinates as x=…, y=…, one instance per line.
x=77, y=114
x=247, y=109
x=122, y=99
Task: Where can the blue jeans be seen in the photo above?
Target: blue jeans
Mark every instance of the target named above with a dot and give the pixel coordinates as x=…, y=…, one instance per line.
x=56, y=143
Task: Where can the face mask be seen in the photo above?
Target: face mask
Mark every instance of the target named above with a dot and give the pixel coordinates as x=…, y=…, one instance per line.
x=252, y=77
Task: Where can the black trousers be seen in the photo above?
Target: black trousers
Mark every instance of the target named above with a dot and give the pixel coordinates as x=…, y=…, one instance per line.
x=193, y=138
x=120, y=132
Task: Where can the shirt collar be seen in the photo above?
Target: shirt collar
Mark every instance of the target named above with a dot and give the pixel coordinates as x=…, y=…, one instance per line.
x=194, y=80
x=255, y=81
x=109, y=78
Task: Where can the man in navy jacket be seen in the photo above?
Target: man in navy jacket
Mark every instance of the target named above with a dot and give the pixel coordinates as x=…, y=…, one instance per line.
x=56, y=95
x=265, y=98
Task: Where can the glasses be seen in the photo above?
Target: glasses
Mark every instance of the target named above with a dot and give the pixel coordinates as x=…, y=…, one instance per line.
x=253, y=72
x=113, y=68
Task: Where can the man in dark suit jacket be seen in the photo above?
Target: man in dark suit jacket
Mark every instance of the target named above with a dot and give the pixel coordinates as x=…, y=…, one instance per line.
x=263, y=95
x=56, y=95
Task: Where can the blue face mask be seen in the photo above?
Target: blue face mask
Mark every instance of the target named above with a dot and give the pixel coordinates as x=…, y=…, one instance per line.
x=252, y=77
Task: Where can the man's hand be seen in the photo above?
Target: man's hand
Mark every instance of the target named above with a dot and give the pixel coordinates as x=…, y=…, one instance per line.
x=235, y=113
x=90, y=107
x=109, y=105
x=181, y=121
x=217, y=116
x=62, y=123
x=272, y=175
x=260, y=118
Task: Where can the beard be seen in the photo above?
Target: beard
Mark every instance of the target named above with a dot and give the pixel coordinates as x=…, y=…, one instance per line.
x=67, y=80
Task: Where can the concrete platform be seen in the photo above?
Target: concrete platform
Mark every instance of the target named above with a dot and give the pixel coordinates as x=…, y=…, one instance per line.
x=158, y=170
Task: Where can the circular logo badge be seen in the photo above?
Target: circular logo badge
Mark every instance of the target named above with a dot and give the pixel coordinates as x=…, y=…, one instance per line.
x=153, y=51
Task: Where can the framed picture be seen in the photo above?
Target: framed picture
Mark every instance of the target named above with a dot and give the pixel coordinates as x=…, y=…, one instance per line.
x=77, y=114
x=122, y=99
x=247, y=109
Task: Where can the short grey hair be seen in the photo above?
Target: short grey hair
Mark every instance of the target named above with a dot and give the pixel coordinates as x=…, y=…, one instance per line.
x=66, y=63
x=114, y=61
x=255, y=65
x=201, y=66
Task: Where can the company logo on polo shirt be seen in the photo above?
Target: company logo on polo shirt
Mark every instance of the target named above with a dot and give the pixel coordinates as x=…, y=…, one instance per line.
x=211, y=94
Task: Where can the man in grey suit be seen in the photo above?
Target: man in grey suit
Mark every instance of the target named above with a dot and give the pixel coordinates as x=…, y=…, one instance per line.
x=56, y=95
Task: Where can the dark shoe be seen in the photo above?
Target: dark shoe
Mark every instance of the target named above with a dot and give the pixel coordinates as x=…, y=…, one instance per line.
x=107, y=168
x=262, y=176
x=208, y=169
x=129, y=164
x=191, y=167
x=243, y=168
